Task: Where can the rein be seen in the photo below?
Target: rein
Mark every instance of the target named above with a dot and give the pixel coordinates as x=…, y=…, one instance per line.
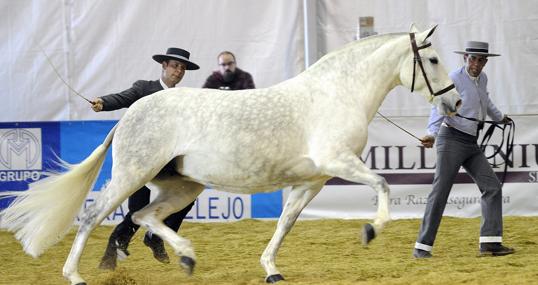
x=509, y=138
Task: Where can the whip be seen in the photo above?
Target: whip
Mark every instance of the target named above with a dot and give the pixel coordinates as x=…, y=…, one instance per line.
x=61, y=78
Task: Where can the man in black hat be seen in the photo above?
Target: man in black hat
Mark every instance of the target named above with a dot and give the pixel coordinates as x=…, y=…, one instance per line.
x=174, y=63
x=456, y=143
x=229, y=76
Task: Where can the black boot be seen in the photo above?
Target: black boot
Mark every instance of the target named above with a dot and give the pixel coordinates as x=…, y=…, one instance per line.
x=494, y=249
x=157, y=247
x=419, y=253
x=117, y=246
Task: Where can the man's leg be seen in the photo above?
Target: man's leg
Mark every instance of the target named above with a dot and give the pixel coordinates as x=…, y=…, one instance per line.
x=121, y=235
x=450, y=155
x=491, y=226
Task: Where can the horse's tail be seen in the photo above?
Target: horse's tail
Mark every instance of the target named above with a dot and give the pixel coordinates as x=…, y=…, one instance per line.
x=42, y=215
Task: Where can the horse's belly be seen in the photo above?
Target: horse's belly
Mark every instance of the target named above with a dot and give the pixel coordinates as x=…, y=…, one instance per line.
x=255, y=175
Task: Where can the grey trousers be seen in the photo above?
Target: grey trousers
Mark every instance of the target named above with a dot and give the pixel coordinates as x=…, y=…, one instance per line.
x=456, y=149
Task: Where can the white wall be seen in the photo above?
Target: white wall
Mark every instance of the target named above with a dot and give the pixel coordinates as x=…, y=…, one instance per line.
x=102, y=46
x=511, y=28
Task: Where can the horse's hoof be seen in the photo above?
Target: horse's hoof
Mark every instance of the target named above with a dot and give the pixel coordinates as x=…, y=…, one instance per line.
x=274, y=278
x=188, y=264
x=368, y=234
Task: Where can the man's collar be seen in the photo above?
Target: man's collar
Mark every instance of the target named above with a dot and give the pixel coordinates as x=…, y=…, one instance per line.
x=164, y=84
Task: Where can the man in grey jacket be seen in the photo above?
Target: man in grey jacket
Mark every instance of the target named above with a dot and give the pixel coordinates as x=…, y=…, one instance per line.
x=174, y=63
x=456, y=143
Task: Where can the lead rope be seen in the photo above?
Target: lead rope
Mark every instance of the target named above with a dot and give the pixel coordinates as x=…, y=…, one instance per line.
x=406, y=131
x=507, y=136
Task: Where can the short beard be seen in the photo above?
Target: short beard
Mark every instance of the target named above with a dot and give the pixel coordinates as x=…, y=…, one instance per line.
x=228, y=76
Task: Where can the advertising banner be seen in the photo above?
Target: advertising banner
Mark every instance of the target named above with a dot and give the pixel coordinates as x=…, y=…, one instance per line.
x=408, y=168
x=29, y=150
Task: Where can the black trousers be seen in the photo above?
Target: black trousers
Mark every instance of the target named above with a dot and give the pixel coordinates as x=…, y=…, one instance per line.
x=125, y=230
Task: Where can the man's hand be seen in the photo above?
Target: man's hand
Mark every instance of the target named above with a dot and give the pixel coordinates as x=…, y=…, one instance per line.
x=97, y=104
x=506, y=120
x=427, y=141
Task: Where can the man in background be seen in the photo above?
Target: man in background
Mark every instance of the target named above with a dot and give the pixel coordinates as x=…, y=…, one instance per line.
x=229, y=76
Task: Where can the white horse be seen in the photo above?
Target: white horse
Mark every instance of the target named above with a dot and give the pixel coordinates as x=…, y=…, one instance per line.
x=298, y=133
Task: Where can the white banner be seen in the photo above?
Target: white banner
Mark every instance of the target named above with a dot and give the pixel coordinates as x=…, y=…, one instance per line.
x=409, y=170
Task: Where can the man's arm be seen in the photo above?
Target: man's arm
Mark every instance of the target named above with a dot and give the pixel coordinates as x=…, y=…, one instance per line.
x=125, y=98
x=434, y=123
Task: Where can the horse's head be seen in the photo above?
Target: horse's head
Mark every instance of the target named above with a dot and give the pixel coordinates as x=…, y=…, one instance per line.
x=423, y=72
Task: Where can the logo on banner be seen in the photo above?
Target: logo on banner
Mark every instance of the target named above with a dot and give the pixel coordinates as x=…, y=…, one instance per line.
x=20, y=154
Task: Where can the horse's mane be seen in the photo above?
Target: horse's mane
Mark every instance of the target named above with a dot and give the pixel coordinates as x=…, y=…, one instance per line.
x=366, y=46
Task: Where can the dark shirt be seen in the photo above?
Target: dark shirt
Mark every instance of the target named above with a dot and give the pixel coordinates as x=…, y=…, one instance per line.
x=127, y=97
x=242, y=80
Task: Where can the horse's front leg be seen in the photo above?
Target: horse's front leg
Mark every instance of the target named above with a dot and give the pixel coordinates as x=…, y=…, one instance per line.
x=298, y=198
x=348, y=166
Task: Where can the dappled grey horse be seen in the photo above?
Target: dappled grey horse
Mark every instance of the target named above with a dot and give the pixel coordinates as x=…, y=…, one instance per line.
x=298, y=133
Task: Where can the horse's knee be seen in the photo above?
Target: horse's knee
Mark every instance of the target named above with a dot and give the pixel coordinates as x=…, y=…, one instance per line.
x=381, y=185
x=137, y=218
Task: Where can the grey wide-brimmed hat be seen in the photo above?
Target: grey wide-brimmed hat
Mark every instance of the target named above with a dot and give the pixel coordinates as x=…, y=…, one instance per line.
x=478, y=48
x=179, y=55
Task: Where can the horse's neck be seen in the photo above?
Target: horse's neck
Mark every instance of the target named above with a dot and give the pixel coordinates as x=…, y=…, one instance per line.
x=379, y=74
x=367, y=71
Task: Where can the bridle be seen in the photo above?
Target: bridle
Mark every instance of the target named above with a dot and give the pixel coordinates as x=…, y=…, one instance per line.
x=418, y=59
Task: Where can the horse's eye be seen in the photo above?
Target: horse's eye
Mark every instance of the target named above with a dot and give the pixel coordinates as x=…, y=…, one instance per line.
x=434, y=60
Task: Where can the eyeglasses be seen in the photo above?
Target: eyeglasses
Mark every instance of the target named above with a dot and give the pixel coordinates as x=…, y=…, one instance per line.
x=230, y=63
x=478, y=59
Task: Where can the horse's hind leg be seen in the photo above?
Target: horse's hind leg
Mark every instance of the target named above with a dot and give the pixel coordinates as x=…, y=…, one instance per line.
x=349, y=167
x=298, y=198
x=174, y=194
x=108, y=200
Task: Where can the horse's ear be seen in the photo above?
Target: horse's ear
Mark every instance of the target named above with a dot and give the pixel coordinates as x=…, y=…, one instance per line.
x=413, y=29
x=422, y=37
x=432, y=29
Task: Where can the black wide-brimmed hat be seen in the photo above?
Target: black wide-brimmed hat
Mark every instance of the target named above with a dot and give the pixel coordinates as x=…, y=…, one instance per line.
x=179, y=55
x=478, y=48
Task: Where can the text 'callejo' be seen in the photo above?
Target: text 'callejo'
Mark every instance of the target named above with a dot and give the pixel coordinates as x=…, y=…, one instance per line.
x=217, y=208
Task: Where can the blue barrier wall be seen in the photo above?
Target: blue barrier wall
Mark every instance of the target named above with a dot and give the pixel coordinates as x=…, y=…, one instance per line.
x=29, y=149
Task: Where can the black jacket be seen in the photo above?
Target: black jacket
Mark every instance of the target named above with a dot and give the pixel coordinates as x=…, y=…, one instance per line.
x=242, y=80
x=127, y=97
